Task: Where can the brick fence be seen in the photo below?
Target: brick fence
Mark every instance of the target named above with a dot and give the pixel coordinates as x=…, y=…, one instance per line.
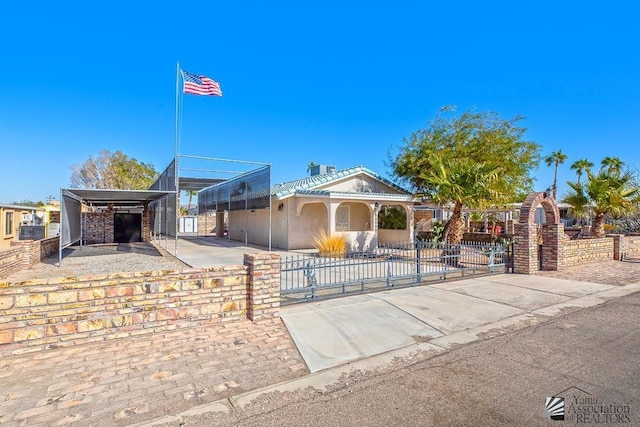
x=49, y=313
x=24, y=255
x=571, y=253
x=626, y=246
x=583, y=251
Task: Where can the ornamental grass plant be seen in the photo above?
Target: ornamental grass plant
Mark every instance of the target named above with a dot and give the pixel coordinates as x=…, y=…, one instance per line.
x=334, y=245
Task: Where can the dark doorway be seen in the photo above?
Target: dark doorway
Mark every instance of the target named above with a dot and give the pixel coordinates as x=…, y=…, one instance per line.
x=127, y=227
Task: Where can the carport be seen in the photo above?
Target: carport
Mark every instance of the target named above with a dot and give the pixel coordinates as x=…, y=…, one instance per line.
x=92, y=216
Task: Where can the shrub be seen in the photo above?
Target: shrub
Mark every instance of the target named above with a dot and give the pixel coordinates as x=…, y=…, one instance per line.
x=330, y=245
x=437, y=232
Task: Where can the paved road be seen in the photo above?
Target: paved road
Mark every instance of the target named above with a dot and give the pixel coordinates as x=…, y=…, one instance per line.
x=589, y=357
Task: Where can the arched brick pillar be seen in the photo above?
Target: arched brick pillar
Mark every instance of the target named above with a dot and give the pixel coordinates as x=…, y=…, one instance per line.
x=526, y=239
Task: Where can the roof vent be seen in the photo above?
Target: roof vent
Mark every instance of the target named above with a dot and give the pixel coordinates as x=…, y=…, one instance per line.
x=322, y=169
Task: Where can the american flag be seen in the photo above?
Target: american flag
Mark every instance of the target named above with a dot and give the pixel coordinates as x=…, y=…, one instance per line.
x=200, y=85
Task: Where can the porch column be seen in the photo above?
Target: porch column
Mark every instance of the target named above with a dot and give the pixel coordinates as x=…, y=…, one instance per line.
x=332, y=207
x=410, y=222
x=374, y=221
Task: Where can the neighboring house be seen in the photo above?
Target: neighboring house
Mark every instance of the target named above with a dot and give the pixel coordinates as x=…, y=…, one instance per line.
x=350, y=202
x=426, y=213
x=51, y=219
x=13, y=217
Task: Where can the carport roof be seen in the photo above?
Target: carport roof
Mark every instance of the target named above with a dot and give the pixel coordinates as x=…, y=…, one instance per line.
x=197, y=184
x=116, y=196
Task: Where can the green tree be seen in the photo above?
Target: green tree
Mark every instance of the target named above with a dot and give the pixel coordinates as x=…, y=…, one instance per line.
x=113, y=170
x=392, y=217
x=610, y=191
x=581, y=166
x=555, y=158
x=31, y=203
x=476, y=159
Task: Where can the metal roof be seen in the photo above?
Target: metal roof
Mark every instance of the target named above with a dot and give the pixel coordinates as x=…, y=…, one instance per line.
x=356, y=195
x=197, y=184
x=312, y=182
x=95, y=195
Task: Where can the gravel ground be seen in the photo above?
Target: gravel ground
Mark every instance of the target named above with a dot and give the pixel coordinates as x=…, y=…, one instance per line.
x=101, y=259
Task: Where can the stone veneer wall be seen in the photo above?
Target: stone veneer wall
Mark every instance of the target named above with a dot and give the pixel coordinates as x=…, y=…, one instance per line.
x=146, y=223
x=49, y=313
x=583, y=251
x=97, y=227
x=625, y=247
x=24, y=255
x=207, y=223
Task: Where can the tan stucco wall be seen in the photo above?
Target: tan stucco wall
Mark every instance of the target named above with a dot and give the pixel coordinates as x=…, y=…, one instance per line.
x=360, y=216
x=237, y=224
x=279, y=232
x=258, y=230
x=257, y=225
x=359, y=241
x=393, y=236
x=303, y=228
x=6, y=239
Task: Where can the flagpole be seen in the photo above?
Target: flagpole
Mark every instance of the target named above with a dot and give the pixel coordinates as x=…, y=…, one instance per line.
x=177, y=106
x=175, y=159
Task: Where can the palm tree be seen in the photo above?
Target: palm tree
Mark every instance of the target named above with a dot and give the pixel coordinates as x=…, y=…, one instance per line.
x=613, y=165
x=581, y=166
x=607, y=192
x=310, y=166
x=190, y=193
x=555, y=158
x=463, y=182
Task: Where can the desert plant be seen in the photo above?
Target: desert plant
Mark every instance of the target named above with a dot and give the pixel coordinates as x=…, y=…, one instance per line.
x=330, y=245
x=437, y=232
x=392, y=218
x=611, y=191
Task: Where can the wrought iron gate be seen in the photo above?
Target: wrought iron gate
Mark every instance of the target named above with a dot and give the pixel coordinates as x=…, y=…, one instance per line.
x=310, y=277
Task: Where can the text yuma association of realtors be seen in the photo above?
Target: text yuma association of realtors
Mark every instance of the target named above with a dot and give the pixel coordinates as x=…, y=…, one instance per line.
x=592, y=410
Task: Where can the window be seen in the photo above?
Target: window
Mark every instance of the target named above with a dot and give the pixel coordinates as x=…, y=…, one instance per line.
x=8, y=223
x=342, y=218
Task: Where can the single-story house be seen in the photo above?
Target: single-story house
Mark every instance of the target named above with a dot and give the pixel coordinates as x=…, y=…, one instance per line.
x=357, y=203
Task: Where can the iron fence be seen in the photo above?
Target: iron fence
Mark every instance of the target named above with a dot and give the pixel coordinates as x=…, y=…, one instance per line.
x=310, y=277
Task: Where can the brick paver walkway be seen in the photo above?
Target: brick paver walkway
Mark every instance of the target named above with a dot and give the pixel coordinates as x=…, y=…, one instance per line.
x=606, y=272
x=124, y=381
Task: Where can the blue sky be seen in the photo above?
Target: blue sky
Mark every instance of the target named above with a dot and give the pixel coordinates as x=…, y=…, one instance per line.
x=339, y=83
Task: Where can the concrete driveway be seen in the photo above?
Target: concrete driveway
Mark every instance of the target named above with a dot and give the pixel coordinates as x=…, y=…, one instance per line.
x=201, y=252
x=333, y=332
